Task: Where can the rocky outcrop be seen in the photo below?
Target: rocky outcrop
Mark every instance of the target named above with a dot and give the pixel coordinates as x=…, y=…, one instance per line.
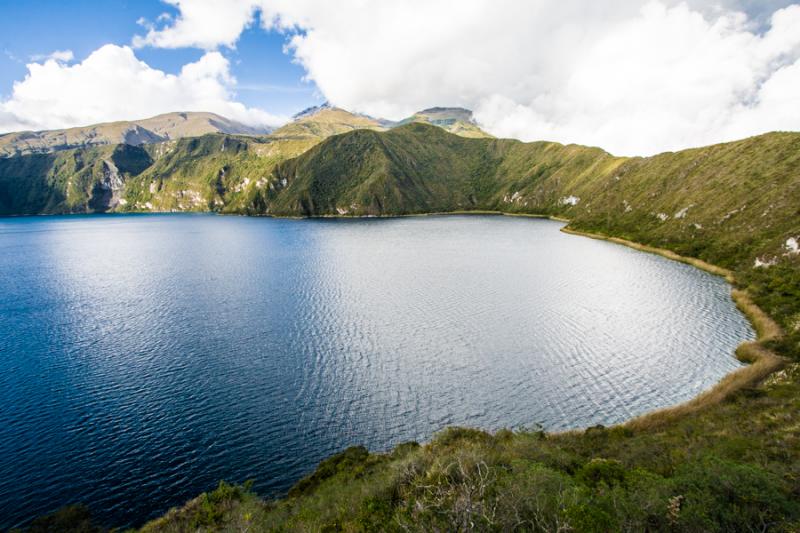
x=106, y=193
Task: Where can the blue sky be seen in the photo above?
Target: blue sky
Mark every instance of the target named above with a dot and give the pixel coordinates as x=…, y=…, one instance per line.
x=685, y=72
x=267, y=77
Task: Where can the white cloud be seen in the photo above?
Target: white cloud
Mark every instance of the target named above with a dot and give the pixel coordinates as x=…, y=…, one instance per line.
x=632, y=76
x=201, y=24
x=59, y=55
x=112, y=84
x=664, y=80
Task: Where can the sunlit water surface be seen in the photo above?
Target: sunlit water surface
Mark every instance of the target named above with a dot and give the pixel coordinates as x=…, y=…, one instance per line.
x=144, y=358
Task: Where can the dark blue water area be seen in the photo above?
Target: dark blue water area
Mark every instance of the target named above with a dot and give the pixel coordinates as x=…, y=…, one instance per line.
x=143, y=358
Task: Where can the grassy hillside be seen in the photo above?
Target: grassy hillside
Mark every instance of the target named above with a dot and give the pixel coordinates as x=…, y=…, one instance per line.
x=728, y=203
x=730, y=461
x=411, y=169
x=419, y=168
x=214, y=172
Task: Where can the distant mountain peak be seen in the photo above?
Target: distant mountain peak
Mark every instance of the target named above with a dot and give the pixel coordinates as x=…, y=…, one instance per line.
x=313, y=110
x=456, y=120
x=447, y=114
x=445, y=109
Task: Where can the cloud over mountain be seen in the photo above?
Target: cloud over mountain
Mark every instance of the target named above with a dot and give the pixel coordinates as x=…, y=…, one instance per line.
x=112, y=84
x=632, y=76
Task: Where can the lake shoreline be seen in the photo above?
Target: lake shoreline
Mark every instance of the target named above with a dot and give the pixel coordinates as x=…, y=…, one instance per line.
x=760, y=360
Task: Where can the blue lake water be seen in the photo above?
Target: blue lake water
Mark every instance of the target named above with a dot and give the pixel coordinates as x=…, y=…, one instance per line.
x=145, y=357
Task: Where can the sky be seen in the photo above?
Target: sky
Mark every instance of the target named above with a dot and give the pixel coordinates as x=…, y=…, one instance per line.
x=635, y=77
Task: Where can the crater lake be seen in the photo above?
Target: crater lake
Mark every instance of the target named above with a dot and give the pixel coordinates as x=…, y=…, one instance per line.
x=143, y=358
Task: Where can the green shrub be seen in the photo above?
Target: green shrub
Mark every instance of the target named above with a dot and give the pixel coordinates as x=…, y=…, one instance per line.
x=453, y=435
x=350, y=460
x=722, y=495
x=588, y=517
x=531, y=496
x=605, y=471
x=212, y=507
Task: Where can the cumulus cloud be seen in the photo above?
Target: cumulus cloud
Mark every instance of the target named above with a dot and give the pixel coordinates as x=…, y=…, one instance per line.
x=632, y=76
x=112, y=84
x=201, y=24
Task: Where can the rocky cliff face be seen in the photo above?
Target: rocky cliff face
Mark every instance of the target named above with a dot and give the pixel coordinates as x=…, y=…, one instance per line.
x=106, y=193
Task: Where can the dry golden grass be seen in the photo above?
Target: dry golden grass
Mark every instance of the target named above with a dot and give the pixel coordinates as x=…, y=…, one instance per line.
x=766, y=328
x=762, y=361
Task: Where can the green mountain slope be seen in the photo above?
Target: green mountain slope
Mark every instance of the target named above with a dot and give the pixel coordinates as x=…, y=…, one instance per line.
x=411, y=169
x=182, y=174
x=728, y=203
x=417, y=168
x=731, y=204
x=226, y=173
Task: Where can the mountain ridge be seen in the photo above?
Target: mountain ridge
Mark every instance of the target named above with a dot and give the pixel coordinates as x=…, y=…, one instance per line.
x=159, y=128
x=316, y=122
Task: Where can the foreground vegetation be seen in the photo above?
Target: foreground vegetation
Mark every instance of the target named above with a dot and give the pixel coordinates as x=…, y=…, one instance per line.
x=727, y=461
